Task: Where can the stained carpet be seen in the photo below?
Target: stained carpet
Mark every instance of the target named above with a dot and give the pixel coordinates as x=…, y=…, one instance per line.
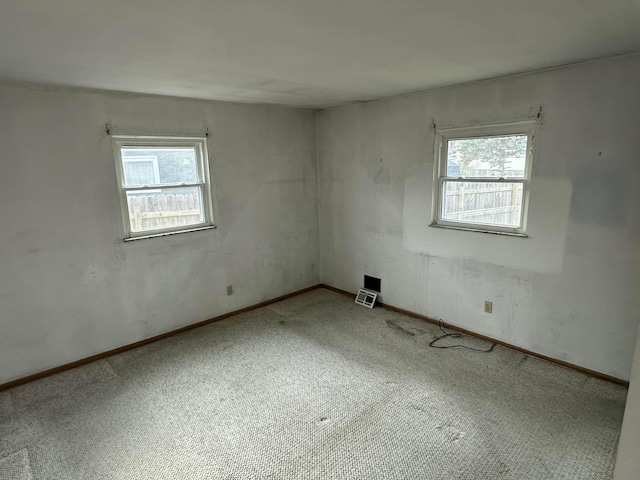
x=313, y=387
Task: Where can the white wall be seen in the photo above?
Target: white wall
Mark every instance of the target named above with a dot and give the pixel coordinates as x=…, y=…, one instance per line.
x=570, y=290
x=628, y=461
x=69, y=286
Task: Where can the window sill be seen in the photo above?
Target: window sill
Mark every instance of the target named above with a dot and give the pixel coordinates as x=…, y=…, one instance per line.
x=480, y=230
x=164, y=234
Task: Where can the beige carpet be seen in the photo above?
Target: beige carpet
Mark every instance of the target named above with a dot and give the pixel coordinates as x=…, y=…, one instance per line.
x=312, y=387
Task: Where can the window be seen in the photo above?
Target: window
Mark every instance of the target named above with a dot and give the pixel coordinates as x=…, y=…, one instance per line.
x=164, y=185
x=483, y=177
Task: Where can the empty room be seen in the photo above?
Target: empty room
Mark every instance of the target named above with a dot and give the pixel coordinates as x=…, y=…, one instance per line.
x=320, y=240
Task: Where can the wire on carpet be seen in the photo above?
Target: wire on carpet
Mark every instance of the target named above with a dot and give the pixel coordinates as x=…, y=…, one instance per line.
x=446, y=334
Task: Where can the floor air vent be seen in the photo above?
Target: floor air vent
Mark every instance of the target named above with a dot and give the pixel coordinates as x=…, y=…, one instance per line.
x=366, y=298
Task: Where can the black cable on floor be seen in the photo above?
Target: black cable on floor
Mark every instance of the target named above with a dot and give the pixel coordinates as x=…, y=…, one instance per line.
x=455, y=335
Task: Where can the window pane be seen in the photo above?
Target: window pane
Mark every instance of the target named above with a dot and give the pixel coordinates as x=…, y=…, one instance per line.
x=172, y=164
x=164, y=208
x=482, y=203
x=503, y=156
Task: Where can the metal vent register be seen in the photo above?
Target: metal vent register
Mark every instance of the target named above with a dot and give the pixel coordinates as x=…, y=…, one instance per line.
x=366, y=298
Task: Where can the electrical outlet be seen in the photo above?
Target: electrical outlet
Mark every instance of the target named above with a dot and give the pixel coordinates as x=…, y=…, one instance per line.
x=229, y=290
x=488, y=306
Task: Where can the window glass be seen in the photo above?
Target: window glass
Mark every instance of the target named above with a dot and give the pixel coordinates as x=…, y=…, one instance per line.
x=482, y=203
x=164, y=208
x=503, y=156
x=174, y=165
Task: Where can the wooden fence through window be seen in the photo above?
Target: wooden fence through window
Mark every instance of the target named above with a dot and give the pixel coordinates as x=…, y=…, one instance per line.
x=153, y=211
x=495, y=204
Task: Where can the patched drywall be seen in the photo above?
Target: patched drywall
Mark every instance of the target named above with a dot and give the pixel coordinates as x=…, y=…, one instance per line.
x=71, y=288
x=569, y=290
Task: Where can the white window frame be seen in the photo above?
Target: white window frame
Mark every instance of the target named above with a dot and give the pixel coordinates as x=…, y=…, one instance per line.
x=199, y=144
x=443, y=137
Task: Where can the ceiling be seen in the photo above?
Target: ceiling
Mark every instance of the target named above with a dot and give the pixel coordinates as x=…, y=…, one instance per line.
x=311, y=54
